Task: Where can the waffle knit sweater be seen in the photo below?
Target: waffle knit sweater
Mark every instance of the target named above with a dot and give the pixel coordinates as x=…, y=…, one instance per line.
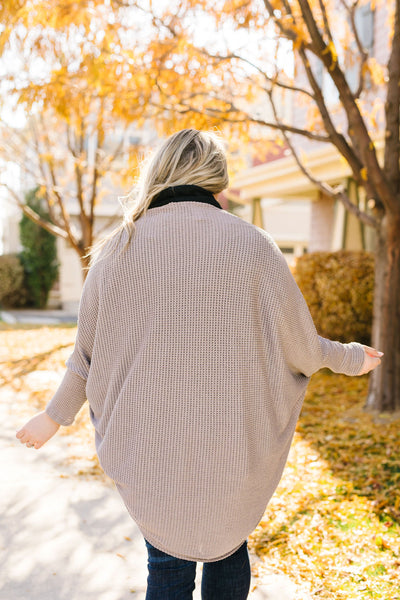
x=194, y=349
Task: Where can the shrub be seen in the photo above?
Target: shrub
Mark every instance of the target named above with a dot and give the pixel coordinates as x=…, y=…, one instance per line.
x=12, y=291
x=39, y=254
x=338, y=288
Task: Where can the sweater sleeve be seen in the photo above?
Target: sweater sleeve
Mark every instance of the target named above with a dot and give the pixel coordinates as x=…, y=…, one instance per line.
x=71, y=394
x=304, y=350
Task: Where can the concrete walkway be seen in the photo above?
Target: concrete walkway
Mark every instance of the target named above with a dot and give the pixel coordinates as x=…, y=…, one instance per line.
x=67, y=536
x=37, y=317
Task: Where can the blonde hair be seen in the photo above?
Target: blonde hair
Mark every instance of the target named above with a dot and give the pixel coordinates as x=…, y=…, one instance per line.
x=188, y=157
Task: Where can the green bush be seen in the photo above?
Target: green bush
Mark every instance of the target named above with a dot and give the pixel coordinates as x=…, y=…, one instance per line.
x=338, y=288
x=39, y=254
x=12, y=292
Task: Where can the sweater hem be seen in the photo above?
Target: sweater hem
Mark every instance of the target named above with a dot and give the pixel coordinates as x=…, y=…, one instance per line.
x=160, y=546
x=163, y=548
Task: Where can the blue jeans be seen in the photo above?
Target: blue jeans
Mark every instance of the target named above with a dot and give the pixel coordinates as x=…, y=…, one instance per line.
x=173, y=578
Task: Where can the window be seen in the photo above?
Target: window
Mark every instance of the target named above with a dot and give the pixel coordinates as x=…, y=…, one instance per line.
x=364, y=21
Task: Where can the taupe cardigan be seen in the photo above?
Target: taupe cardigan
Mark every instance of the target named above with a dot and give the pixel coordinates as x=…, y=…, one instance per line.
x=194, y=350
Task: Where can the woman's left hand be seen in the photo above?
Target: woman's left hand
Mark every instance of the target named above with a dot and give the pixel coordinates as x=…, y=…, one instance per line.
x=372, y=358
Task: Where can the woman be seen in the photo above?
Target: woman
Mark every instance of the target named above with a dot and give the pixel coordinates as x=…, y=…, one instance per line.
x=194, y=350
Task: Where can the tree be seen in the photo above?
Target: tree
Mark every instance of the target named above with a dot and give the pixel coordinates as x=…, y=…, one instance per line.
x=86, y=77
x=326, y=41
x=68, y=76
x=39, y=254
x=309, y=26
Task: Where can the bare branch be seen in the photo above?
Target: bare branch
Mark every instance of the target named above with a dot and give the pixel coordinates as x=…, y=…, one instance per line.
x=44, y=176
x=337, y=193
x=57, y=195
x=35, y=217
x=326, y=21
x=245, y=118
x=351, y=11
x=156, y=20
x=337, y=139
x=109, y=222
x=286, y=31
x=316, y=36
x=269, y=79
x=78, y=173
x=10, y=152
x=321, y=52
x=95, y=174
x=40, y=176
x=108, y=160
x=358, y=131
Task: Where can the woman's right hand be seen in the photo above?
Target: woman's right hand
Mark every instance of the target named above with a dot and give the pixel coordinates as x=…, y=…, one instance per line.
x=37, y=431
x=372, y=358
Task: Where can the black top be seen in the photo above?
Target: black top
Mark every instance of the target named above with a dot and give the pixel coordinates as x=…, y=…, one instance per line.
x=184, y=193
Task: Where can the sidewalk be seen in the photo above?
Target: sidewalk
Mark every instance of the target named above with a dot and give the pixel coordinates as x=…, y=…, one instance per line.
x=37, y=317
x=65, y=536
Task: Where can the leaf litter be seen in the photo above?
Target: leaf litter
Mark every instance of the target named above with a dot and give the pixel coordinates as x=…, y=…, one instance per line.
x=332, y=526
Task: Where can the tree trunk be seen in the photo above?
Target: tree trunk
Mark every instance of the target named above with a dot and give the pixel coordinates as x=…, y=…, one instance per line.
x=384, y=385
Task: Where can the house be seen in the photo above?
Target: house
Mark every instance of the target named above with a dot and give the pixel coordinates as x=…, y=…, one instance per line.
x=331, y=227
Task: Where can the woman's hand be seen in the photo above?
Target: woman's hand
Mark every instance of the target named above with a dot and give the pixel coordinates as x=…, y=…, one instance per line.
x=37, y=431
x=372, y=358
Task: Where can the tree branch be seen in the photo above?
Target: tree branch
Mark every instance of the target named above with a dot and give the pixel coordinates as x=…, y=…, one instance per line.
x=35, y=217
x=246, y=118
x=269, y=79
x=24, y=162
x=95, y=174
x=78, y=173
x=109, y=222
x=326, y=21
x=156, y=20
x=351, y=10
x=357, y=127
x=108, y=160
x=60, y=202
x=43, y=173
x=286, y=31
x=336, y=193
x=337, y=138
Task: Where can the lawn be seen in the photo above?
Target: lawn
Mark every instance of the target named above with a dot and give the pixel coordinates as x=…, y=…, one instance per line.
x=333, y=525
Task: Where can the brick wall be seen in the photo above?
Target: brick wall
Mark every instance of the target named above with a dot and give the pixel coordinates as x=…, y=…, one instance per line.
x=321, y=225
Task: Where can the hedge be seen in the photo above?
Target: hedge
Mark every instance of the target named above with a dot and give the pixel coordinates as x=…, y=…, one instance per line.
x=12, y=291
x=338, y=288
x=39, y=253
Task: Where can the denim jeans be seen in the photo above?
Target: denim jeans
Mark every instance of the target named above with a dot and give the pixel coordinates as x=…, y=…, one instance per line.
x=173, y=578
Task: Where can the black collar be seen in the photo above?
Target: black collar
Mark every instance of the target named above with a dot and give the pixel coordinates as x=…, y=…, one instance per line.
x=184, y=193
